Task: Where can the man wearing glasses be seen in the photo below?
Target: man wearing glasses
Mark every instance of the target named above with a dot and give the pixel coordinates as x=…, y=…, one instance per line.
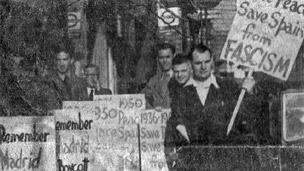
x=93, y=84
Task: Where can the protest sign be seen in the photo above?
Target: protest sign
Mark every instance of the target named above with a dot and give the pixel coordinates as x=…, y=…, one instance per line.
x=116, y=144
x=152, y=135
x=115, y=133
x=92, y=143
x=27, y=143
x=266, y=35
x=73, y=137
x=124, y=101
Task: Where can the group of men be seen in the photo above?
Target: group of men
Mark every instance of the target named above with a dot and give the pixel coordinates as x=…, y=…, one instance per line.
x=70, y=87
x=201, y=102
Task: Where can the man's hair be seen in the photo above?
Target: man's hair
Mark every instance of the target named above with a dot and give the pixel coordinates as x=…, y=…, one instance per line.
x=164, y=46
x=64, y=46
x=92, y=66
x=180, y=59
x=201, y=48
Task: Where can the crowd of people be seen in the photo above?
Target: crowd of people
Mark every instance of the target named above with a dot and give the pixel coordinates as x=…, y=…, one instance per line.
x=202, y=102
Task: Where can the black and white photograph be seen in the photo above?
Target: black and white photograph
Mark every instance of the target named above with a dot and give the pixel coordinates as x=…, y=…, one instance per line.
x=151, y=85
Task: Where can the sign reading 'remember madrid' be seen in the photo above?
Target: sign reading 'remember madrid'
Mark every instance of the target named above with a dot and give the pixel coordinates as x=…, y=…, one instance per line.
x=27, y=143
x=73, y=131
x=266, y=35
x=90, y=142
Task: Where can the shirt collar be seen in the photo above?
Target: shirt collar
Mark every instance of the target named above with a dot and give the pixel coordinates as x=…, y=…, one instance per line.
x=207, y=83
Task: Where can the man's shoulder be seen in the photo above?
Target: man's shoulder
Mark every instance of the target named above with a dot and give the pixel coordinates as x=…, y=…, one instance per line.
x=173, y=84
x=79, y=81
x=225, y=82
x=51, y=75
x=154, y=78
x=53, y=78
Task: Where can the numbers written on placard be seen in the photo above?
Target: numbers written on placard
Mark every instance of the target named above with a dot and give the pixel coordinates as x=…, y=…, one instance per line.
x=105, y=113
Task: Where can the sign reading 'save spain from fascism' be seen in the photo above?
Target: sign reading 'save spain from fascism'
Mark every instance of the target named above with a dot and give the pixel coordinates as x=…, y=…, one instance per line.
x=266, y=35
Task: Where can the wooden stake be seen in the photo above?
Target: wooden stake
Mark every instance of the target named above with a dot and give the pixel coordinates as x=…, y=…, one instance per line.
x=139, y=149
x=237, y=107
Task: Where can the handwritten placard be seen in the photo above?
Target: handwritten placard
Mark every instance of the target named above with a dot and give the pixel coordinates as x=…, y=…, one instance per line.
x=266, y=35
x=27, y=143
x=152, y=133
x=96, y=143
x=124, y=101
x=73, y=140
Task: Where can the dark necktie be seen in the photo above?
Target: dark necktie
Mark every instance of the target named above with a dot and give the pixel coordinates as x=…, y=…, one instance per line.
x=68, y=87
x=91, y=96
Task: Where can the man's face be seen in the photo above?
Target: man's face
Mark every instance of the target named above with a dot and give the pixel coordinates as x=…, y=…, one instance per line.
x=165, y=57
x=91, y=76
x=63, y=62
x=182, y=72
x=202, y=64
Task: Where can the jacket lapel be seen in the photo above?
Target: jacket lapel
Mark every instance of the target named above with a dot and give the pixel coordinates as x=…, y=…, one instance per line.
x=212, y=95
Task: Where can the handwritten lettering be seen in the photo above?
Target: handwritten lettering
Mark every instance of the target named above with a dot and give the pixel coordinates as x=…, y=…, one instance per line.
x=22, y=137
x=274, y=21
x=71, y=125
x=164, y=117
x=256, y=56
x=292, y=6
x=150, y=117
x=125, y=120
x=73, y=167
x=107, y=113
x=146, y=133
x=130, y=103
x=76, y=145
x=102, y=145
x=8, y=162
x=126, y=133
x=121, y=132
x=151, y=146
x=255, y=37
x=156, y=163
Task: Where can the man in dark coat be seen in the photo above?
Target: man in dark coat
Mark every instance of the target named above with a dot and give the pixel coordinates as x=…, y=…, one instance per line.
x=182, y=72
x=68, y=86
x=93, y=84
x=203, y=107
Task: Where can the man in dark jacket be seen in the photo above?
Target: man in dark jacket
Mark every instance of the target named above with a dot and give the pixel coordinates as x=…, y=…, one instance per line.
x=182, y=72
x=68, y=86
x=204, y=106
x=93, y=84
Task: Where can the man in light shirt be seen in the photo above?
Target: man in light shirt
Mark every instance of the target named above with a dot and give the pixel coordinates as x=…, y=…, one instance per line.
x=93, y=84
x=203, y=113
x=156, y=90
